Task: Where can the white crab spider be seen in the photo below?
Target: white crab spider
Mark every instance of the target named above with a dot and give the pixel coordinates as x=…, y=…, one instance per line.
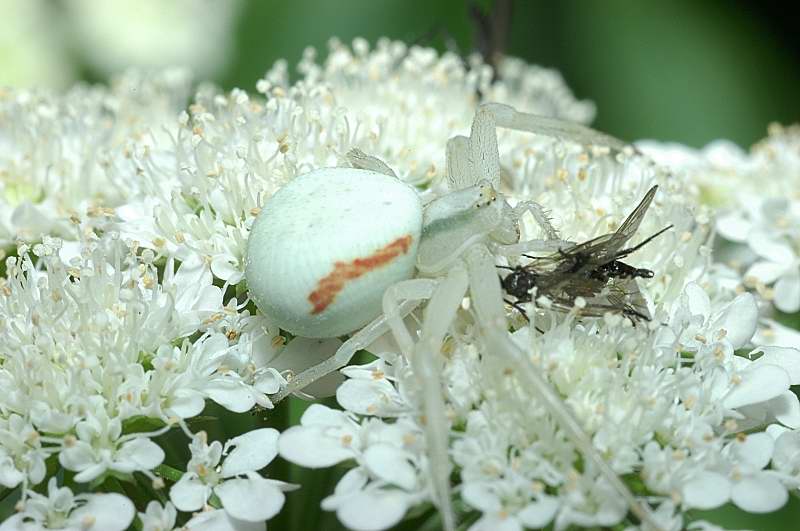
x=461, y=233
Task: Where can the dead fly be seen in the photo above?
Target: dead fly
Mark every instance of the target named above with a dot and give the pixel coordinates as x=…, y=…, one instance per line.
x=592, y=270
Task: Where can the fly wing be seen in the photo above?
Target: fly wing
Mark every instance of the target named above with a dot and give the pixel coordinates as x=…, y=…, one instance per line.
x=625, y=294
x=631, y=224
x=591, y=254
x=603, y=249
x=595, y=250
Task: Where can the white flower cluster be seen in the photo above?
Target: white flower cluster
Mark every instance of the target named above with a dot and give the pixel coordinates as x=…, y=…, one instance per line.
x=124, y=221
x=757, y=196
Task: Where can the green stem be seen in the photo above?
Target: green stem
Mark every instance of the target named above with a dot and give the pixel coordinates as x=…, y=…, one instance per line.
x=167, y=472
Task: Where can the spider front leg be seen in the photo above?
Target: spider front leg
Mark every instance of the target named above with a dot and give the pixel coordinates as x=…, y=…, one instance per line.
x=475, y=159
x=358, y=341
x=424, y=356
x=510, y=118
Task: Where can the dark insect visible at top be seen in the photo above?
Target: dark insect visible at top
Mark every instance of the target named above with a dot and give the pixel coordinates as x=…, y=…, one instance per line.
x=592, y=270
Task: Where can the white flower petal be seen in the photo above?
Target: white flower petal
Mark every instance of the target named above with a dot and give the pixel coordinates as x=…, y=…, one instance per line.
x=776, y=430
x=231, y=393
x=351, y=483
x=759, y=493
x=321, y=415
x=269, y=381
x=370, y=397
x=539, y=513
x=755, y=450
x=391, y=465
x=482, y=497
x=109, y=512
x=787, y=291
x=140, y=454
x=758, y=384
x=373, y=510
x=225, y=268
x=189, y=493
x=308, y=446
x=496, y=522
x=733, y=226
x=786, y=409
x=766, y=272
x=788, y=358
x=90, y=473
x=253, y=451
x=739, y=320
x=13, y=523
x=786, y=457
x=770, y=248
x=706, y=490
x=697, y=299
x=254, y=499
x=79, y=456
x=186, y=403
x=776, y=334
x=192, y=274
x=10, y=477
x=208, y=299
x=220, y=520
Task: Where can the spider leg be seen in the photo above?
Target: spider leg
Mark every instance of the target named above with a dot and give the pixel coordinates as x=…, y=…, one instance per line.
x=539, y=215
x=359, y=159
x=414, y=289
x=509, y=118
x=425, y=359
x=530, y=246
x=360, y=340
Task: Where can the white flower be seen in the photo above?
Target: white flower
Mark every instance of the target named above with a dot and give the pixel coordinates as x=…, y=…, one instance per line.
x=388, y=481
x=194, y=372
x=510, y=505
x=368, y=390
x=697, y=324
x=776, y=334
x=244, y=494
x=777, y=263
x=757, y=201
x=22, y=456
x=157, y=517
x=220, y=520
x=61, y=510
x=100, y=447
x=744, y=481
x=786, y=456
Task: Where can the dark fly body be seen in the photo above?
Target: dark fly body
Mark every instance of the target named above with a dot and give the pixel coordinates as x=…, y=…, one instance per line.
x=593, y=270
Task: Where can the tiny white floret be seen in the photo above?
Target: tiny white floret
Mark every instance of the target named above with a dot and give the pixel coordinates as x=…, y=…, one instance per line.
x=327, y=245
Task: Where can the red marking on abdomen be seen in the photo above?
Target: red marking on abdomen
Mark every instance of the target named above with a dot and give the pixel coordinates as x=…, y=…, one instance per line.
x=331, y=284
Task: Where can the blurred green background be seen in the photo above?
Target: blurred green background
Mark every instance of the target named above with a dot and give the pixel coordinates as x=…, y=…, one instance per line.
x=687, y=71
